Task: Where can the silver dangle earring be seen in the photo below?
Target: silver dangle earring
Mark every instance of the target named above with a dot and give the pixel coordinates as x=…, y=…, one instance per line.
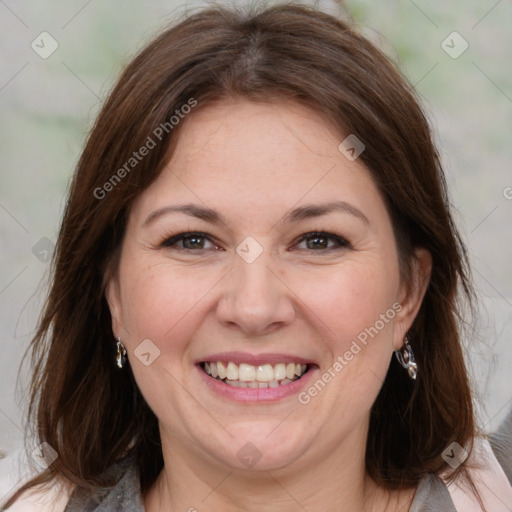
x=406, y=358
x=121, y=353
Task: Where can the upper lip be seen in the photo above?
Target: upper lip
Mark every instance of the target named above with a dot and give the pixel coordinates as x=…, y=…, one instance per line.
x=254, y=359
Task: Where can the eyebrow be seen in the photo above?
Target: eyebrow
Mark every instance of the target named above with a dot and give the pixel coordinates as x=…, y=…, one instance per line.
x=317, y=210
x=192, y=210
x=296, y=215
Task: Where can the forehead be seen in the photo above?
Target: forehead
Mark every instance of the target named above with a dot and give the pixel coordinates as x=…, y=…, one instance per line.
x=270, y=137
x=258, y=156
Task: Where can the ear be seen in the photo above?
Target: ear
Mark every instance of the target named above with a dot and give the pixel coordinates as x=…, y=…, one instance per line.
x=113, y=296
x=412, y=293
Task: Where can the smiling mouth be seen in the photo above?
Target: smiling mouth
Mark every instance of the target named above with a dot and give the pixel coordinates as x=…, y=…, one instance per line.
x=249, y=376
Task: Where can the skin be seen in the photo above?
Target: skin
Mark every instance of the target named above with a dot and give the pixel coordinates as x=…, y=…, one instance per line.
x=253, y=163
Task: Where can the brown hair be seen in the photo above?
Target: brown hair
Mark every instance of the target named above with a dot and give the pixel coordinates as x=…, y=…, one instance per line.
x=91, y=413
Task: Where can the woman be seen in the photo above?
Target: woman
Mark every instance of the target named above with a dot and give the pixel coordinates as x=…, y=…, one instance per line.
x=258, y=222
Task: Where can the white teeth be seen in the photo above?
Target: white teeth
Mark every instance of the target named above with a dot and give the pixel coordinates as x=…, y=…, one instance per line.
x=265, y=373
x=250, y=376
x=232, y=371
x=279, y=371
x=222, y=370
x=253, y=384
x=246, y=372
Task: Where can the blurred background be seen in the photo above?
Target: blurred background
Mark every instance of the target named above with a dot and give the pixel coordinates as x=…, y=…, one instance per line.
x=59, y=59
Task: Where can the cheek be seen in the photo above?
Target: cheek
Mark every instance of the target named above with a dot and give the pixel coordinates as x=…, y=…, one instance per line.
x=351, y=297
x=160, y=301
x=354, y=306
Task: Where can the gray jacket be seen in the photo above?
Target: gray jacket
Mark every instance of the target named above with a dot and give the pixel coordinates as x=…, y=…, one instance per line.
x=431, y=495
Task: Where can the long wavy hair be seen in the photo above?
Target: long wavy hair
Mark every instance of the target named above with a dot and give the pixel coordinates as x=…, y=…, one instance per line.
x=92, y=414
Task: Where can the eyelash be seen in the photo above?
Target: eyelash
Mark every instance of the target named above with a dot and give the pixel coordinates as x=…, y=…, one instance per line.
x=170, y=242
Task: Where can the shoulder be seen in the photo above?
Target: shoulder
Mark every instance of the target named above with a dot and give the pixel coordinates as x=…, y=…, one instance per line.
x=14, y=473
x=501, y=444
x=123, y=494
x=490, y=470
x=48, y=499
x=432, y=496
x=489, y=478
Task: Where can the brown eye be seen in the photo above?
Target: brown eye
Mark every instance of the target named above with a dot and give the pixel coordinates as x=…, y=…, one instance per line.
x=193, y=242
x=188, y=241
x=323, y=241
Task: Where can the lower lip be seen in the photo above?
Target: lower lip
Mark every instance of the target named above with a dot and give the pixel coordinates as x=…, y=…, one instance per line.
x=257, y=394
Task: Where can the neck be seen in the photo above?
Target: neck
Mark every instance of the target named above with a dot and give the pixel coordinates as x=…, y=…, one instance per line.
x=335, y=480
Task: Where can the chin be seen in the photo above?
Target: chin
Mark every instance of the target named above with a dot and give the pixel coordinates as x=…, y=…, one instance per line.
x=265, y=450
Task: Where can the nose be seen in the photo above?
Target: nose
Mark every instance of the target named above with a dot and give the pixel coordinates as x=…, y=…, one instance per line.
x=255, y=299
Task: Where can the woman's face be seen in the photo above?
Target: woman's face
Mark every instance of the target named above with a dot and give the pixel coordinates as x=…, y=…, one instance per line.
x=252, y=290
